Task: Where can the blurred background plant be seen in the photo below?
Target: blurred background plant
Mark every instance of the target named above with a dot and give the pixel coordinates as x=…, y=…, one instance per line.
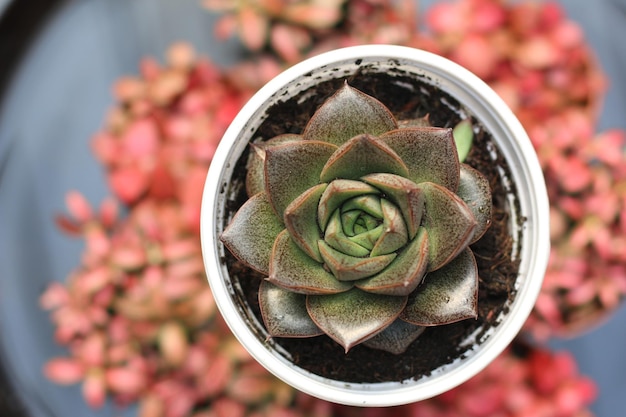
x=137, y=316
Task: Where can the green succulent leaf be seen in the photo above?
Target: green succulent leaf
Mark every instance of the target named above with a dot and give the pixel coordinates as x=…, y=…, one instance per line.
x=367, y=236
x=395, y=338
x=337, y=193
x=464, y=138
x=349, y=221
x=394, y=235
x=350, y=268
x=353, y=316
x=255, y=176
x=348, y=113
x=405, y=194
x=300, y=220
x=369, y=204
x=362, y=155
x=300, y=162
x=284, y=312
x=337, y=239
x=405, y=273
x=292, y=269
x=430, y=152
x=475, y=191
x=252, y=231
x=448, y=295
x=450, y=224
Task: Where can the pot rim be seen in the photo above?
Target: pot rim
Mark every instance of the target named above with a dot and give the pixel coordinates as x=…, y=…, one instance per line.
x=534, y=252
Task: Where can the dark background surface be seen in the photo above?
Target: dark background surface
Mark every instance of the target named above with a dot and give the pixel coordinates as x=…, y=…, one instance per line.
x=18, y=27
x=58, y=60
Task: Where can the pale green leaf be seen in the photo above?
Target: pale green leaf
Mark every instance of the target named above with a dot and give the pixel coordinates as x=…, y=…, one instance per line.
x=463, y=137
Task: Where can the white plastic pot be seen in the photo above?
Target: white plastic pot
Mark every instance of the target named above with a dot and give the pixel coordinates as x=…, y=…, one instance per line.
x=532, y=238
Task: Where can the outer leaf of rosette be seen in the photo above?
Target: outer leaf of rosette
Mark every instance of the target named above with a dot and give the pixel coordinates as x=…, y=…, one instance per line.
x=284, y=312
x=405, y=273
x=291, y=168
x=301, y=221
x=252, y=232
x=395, y=338
x=447, y=295
x=450, y=224
x=475, y=191
x=362, y=155
x=429, y=152
x=354, y=316
x=348, y=113
x=294, y=270
x=405, y=194
x=255, y=167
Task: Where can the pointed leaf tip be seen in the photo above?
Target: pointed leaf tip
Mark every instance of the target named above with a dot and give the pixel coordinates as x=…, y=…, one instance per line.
x=354, y=316
x=348, y=113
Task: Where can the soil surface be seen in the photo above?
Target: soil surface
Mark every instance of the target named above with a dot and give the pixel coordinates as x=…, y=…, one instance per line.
x=406, y=98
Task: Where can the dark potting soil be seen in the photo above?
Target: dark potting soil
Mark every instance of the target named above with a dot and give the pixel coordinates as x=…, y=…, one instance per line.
x=407, y=98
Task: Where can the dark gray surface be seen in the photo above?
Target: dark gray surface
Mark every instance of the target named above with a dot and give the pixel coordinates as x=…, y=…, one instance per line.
x=58, y=100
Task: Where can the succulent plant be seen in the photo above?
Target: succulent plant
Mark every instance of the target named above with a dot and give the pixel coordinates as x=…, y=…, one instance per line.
x=362, y=226
x=529, y=52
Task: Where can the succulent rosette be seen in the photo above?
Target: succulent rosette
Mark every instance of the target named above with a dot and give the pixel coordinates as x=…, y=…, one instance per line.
x=362, y=225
